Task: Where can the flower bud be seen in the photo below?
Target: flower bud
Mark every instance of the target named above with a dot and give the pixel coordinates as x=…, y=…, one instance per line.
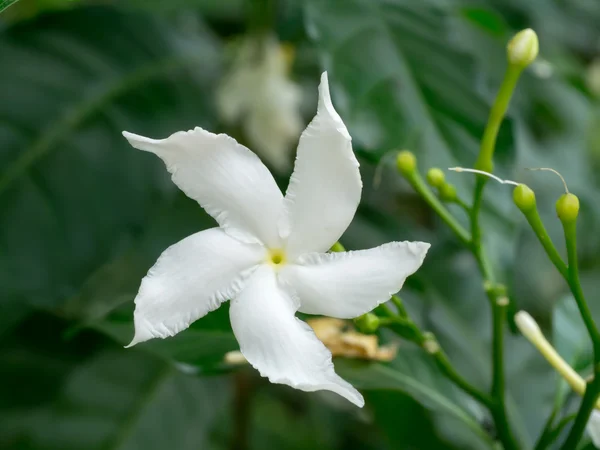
x=523, y=48
x=367, y=323
x=406, y=162
x=527, y=326
x=567, y=208
x=447, y=192
x=435, y=177
x=524, y=198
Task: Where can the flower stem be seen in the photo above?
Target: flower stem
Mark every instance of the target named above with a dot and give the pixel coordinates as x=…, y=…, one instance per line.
x=429, y=343
x=593, y=387
x=499, y=108
x=419, y=185
x=534, y=220
x=498, y=302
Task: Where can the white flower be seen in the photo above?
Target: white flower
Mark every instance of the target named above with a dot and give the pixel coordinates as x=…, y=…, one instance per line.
x=268, y=253
x=258, y=94
x=593, y=428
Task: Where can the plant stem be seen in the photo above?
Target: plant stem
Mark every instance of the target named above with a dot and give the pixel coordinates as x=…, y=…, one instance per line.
x=575, y=285
x=498, y=302
x=593, y=387
x=583, y=415
x=446, y=367
x=499, y=108
x=419, y=185
x=534, y=220
x=429, y=343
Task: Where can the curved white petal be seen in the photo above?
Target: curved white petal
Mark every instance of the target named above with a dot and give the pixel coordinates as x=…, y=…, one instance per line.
x=226, y=178
x=325, y=188
x=349, y=284
x=190, y=279
x=280, y=346
x=593, y=428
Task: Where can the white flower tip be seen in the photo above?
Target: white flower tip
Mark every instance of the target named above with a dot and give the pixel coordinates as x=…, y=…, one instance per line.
x=527, y=325
x=326, y=107
x=523, y=48
x=593, y=428
x=140, y=142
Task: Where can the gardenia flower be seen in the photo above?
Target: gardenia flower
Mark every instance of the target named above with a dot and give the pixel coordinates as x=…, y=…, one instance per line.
x=258, y=94
x=268, y=255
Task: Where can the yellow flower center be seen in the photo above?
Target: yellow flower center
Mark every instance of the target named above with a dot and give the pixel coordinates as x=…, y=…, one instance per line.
x=276, y=257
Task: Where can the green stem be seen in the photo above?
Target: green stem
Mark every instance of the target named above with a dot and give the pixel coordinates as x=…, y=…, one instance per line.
x=488, y=142
x=593, y=387
x=583, y=415
x=485, y=162
x=545, y=438
x=446, y=367
x=499, y=108
x=534, y=220
x=499, y=305
x=429, y=343
x=570, y=229
x=399, y=306
x=419, y=185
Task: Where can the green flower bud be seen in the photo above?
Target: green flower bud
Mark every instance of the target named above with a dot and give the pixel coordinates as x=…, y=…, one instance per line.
x=406, y=162
x=524, y=198
x=367, y=323
x=567, y=207
x=447, y=192
x=435, y=177
x=523, y=48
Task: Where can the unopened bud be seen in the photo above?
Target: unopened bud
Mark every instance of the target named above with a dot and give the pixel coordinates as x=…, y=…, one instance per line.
x=567, y=207
x=406, y=162
x=447, y=192
x=523, y=48
x=527, y=325
x=524, y=198
x=435, y=177
x=367, y=323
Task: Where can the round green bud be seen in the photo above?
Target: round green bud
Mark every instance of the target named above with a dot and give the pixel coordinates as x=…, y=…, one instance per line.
x=435, y=177
x=447, y=192
x=367, y=323
x=524, y=198
x=406, y=162
x=567, y=207
x=523, y=48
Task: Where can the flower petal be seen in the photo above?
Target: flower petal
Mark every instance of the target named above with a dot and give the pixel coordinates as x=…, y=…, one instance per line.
x=348, y=284
x=593, y=428
x=325, y=188
x=280, y=346
x=190, y=279
x=226, y=178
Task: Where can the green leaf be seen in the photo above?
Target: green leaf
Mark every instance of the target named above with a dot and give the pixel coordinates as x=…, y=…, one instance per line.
x=6, y=3
x=396, y=77
x=87, y=394
x=199, y=345
x=74, y=195
x=418, y=377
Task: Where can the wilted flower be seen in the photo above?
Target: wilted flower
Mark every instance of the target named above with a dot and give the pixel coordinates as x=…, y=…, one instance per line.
x=341, y=340
x=258, y=94
x=267, y=255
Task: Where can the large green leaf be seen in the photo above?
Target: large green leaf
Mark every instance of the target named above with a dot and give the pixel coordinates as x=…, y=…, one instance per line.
x=87, y=394
x=73, y=194
x=398, y=79
x=413, y=374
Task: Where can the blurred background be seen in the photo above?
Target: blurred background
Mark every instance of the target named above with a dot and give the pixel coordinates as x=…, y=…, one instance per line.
x=83, y=216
